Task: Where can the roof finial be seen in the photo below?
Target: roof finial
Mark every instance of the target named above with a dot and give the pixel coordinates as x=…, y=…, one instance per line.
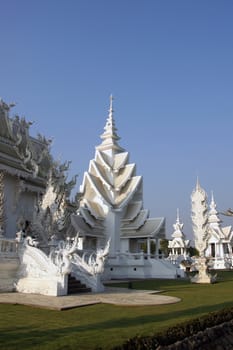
x=212, y=196
x=111, y=106
x=177, y=215
x=197, y=183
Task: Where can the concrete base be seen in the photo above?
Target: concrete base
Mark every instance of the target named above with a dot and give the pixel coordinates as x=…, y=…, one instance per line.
x=130, y=267
x=45, y=286
x=203, y=279
x=202, y=276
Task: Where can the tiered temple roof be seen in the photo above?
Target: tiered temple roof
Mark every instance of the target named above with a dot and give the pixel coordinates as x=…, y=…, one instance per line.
x=111, y=185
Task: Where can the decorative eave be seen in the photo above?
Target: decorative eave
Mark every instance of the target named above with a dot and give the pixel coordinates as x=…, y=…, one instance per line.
x=120, y=160
x=37, y=182
x=227, y=231
x=178, y=243
x=216, y=232
x=93, y=208
x=153, y=228
x=13, y=162
x=101, y=159
x=83, y=228
x=100, y=174
x=18, y=149
x=90, y=220
x=133, y=209
x=100, y=192
x=137, y=222
x=132, y=186
x=125, y=175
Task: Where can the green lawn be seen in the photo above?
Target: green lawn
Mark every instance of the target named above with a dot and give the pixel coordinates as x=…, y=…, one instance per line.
x=101, y=325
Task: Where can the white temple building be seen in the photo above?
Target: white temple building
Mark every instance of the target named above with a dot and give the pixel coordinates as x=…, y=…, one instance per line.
x=52, y=245
x=24, y=164
x=178, y=246
x=38, y=245
x=111, y=208
x=220, y=240
x=211, y=238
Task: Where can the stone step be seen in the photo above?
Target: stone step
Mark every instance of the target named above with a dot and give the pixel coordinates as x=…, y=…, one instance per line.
x=75, y=286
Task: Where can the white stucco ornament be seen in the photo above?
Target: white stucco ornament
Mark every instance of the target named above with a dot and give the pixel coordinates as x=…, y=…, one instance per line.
x=47, y=275
x=201, y=234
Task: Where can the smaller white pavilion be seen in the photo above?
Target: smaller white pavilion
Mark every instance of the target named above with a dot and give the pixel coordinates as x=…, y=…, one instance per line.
x=220, y=240
x=178, y=246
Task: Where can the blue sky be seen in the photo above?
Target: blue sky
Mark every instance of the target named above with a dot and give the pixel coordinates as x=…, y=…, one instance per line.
x=169, y=65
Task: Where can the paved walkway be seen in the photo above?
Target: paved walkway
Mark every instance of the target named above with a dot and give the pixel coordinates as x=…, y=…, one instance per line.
x=116, y=296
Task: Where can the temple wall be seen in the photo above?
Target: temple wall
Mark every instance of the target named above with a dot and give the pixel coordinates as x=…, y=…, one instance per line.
x=136, y=266
x=18, y=205
x=125, y=245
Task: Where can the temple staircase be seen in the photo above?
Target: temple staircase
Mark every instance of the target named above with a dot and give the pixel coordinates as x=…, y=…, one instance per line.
x=75, y=286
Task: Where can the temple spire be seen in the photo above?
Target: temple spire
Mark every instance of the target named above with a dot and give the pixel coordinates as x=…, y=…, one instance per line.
x=177, y=216
x=178, y=226
x=213, y=213
x=111, y=107
x=110, y=136
x=198, y=184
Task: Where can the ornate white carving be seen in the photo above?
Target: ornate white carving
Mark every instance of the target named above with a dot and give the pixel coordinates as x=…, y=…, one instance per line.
x=90, y=266
x=83, y=265
x=93, y=262
x=37, y=269
x=52, y=216
x=200, y=218
x=62, y=254
x=200, y=229
x=38, y=273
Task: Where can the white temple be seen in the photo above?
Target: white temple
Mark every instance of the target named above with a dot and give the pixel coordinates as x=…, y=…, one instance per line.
x=50, y=244
x=111, y=208
x=178, y=246
x=24, y=162
x=220, y=240
x=38, y=245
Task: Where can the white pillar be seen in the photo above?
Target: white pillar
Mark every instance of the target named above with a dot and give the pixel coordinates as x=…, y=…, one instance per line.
x=148, y=245
x=157, y=247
